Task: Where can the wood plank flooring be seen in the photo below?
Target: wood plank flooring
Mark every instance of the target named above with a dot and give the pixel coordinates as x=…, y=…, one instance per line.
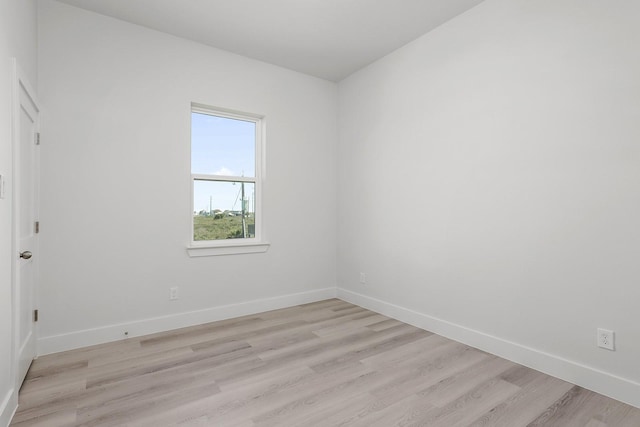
x=328, y=363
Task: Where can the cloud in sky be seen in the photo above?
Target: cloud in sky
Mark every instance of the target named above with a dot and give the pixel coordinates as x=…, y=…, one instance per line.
x=224, y=171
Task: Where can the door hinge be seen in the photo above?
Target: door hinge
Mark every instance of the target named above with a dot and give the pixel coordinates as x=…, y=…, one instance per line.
x=35, y=315
x=37, y=138
x=37, y=227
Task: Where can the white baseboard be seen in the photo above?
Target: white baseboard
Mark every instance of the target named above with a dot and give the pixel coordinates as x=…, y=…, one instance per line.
x=590, y=378
x=8, y=407
x=115, y=332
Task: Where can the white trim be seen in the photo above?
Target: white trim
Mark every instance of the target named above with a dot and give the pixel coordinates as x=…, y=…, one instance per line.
x=225, y=112
x=115, y=332
x=241, y=247
x=223, y=178
x=8, y=407
x=605, y=383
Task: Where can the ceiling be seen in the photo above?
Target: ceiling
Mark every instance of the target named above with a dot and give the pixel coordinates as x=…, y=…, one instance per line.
x=329, y=39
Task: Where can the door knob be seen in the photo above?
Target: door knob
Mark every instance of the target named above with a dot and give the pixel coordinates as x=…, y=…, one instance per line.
x=26, y=255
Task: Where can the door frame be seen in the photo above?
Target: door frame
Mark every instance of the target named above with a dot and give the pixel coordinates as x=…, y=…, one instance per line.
x=20, y=82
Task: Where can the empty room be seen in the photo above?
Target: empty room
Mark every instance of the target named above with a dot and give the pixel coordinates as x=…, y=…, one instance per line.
x=320, y=213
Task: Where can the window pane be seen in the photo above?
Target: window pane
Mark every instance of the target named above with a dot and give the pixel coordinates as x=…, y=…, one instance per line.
x=222, y=146
x=219, y=211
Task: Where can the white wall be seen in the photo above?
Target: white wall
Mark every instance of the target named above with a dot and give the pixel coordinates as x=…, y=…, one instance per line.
x=17, y=40
x=489, y=185
x=115, y=191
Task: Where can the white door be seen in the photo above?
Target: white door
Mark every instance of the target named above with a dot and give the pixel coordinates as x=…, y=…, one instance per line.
x=25, y=217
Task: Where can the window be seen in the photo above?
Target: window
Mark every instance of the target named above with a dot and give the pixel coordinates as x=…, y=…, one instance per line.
x=226, y=160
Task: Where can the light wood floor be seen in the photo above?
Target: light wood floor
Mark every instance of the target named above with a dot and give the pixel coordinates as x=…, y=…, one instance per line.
x=323, y=364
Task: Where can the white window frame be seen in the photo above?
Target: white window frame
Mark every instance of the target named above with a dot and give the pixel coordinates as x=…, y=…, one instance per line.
x=232, y=246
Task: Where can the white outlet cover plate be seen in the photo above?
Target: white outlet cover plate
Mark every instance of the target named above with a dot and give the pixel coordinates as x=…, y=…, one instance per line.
x=606, y=339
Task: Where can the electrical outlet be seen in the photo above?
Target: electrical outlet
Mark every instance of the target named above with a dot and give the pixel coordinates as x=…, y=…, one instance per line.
x=363, y=278
x=606, y=339
x=173, y=293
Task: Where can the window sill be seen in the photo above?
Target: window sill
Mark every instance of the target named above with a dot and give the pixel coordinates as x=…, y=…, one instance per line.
x=228, y=249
